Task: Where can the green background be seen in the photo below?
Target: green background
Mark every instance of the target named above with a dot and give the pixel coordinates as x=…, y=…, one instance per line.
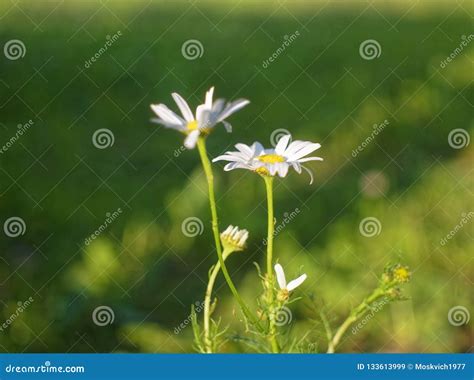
x=320, y=89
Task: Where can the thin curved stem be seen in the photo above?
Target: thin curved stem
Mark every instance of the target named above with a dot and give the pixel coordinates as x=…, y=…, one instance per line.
x=201, y=144
x=271, y=229
x=207, y=304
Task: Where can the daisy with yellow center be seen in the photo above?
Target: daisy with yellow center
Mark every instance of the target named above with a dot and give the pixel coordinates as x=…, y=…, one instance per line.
x=269, y=162
x=207, y=116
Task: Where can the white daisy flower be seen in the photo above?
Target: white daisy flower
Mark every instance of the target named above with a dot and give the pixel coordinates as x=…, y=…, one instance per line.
x=285, y=288
x=268, y=162
x=207, y=116
x=234, y=238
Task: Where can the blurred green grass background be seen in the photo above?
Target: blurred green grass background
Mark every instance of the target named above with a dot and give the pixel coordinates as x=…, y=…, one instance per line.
x=319, y=88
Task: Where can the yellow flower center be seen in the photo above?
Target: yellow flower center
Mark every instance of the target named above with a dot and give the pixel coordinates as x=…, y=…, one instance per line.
x=271, y=158
x=402, y=274
x=192, y=125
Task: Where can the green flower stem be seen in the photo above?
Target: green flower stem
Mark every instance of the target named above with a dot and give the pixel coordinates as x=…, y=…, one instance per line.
x=207, y=303
x=355, y=314
x=270, y=298
x=201, y=144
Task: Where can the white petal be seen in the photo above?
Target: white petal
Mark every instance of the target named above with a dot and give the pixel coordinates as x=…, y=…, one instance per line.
x=191, y=139
x=245, y=149
x=257, y=148
x=178, y=127
x=295, y=146
x=166, y=114
x=232, y=107
x=209, y=94
x=227, y=126
x=280, y=276
x=311, y=147
x=183, y=107
x=297, y=282
x=283, y=169
x=310, y=174
x=282, y=144
x=230, y=156
x=306, y=159
x=203, y=117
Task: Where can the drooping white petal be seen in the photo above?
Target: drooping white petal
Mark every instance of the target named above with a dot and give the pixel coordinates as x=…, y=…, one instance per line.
x=232, y=107
x=310, y=174
x=191, y=139
x=227, y=126
x=292, y=285
x=183, y=107
x=282, y=144
x=280, y=274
